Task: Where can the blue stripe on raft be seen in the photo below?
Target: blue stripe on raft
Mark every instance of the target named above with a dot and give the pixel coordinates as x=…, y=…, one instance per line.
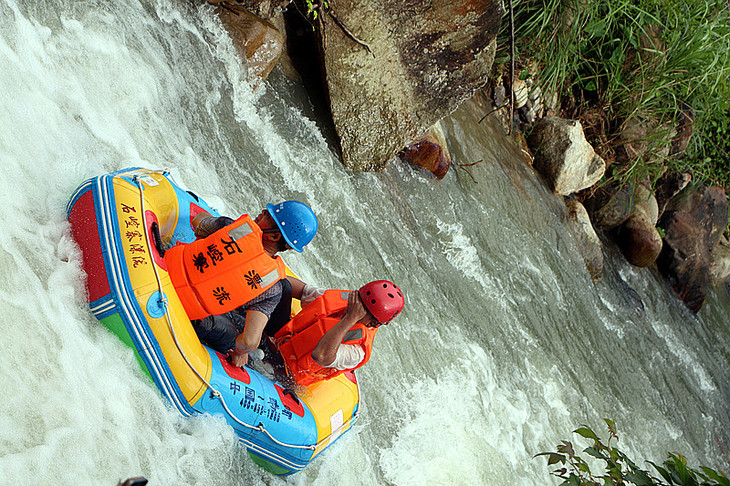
x=104, y=307
x=129, y=310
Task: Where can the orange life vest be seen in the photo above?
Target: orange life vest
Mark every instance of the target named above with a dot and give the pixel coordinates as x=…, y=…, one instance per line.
x=298, y=338
x=227, y=269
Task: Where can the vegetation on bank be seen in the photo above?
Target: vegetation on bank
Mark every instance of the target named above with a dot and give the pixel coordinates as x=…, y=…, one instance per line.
x=614, y=63
x=619, y=469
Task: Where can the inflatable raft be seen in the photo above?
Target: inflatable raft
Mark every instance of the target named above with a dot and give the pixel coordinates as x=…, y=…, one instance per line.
x=119, y=221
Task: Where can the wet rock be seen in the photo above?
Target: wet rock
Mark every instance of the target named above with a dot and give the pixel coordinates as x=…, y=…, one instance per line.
x=638, y=239
x=259, y=41
x=669, y=185
x=709, y=206
x=588, y=242
x=693, y=228
x=425, y=59
x=720, y=262
x=684, y=260
x=563, y=156
x=429, y=152
x=610, y=204
x=645, y=199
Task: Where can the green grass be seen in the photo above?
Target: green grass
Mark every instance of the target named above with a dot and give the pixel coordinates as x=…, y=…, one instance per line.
x=635, y=60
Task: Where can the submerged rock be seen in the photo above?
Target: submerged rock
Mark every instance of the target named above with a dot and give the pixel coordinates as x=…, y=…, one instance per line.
x=563, y=156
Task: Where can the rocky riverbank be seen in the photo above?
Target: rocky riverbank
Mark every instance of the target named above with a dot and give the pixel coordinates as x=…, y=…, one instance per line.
x=387, y=72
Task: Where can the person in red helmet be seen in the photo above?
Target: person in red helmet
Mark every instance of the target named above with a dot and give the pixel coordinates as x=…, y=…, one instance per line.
x=334, y=333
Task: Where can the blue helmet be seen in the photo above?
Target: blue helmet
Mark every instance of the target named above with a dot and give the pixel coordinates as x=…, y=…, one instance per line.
x=297, y=222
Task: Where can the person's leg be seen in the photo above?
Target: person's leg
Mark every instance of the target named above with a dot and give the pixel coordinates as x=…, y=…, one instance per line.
x=219, y=332
x=282, y=312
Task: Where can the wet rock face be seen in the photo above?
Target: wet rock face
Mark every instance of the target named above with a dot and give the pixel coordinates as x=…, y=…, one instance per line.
x=427, y=58
x=589, y=244
x=259, y=41
x=563, y=156
x=693, y=227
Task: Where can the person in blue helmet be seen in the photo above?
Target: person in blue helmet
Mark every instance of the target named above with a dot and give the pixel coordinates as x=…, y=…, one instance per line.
x=287, y=225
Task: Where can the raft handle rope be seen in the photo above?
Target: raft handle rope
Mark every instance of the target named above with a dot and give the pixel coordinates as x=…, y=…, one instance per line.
x=163, y=300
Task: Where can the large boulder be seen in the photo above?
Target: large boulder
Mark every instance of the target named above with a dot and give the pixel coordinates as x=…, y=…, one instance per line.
x=589, y=244
x=563, y=156
x=396, y=67
x=693, y=226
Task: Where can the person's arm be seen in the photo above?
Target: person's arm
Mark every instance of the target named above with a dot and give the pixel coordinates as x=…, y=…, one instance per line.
x=250, y=338
x=205, y=224
x=325, y=352
x=297, y=286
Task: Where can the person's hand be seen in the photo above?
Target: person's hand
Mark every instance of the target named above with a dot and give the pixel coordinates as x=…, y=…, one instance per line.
x=238, y=358
x=355, y=308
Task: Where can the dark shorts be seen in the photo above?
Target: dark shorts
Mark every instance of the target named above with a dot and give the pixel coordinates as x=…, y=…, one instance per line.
x=220, y=332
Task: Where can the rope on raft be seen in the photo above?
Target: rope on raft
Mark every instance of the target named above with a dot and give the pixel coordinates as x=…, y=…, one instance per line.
x=214, y=392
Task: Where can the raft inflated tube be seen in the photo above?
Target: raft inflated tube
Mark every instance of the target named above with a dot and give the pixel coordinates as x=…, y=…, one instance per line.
x=130, y=291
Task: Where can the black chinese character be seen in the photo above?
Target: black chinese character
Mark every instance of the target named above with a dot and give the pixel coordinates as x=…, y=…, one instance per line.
x=253, y=279
x=200, y=262
x=231, y=246
x=235, y=387
x=215, y=254
x=220, y=295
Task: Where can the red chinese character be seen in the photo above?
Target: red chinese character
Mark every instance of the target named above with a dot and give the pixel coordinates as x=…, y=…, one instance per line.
x=132, y=221
x=133, y=234
x=128, y=209
x=136, y=261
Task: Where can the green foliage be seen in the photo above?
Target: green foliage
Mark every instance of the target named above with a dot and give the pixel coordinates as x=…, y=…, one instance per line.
x=619, y=469
x=313, y=7
x=637, y=60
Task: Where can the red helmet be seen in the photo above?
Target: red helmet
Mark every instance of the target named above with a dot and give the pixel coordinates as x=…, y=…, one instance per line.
x=383, y=299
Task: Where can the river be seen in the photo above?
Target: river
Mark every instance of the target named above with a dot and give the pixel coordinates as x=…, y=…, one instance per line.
x=505, y=345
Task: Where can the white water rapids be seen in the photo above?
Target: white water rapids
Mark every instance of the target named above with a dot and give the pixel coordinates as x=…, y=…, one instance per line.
x=504, y=348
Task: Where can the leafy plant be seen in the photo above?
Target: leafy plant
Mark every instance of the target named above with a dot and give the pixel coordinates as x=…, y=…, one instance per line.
x=636, y=60
x=619, y=469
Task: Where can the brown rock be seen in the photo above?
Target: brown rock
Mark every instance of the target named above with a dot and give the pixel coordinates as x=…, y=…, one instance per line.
x=429, y=152
x=638, y=239
x=709, y=206
x=684, y=261
x=258, y=40
x=422, y=60
x=611, y=204
x=669, y=185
